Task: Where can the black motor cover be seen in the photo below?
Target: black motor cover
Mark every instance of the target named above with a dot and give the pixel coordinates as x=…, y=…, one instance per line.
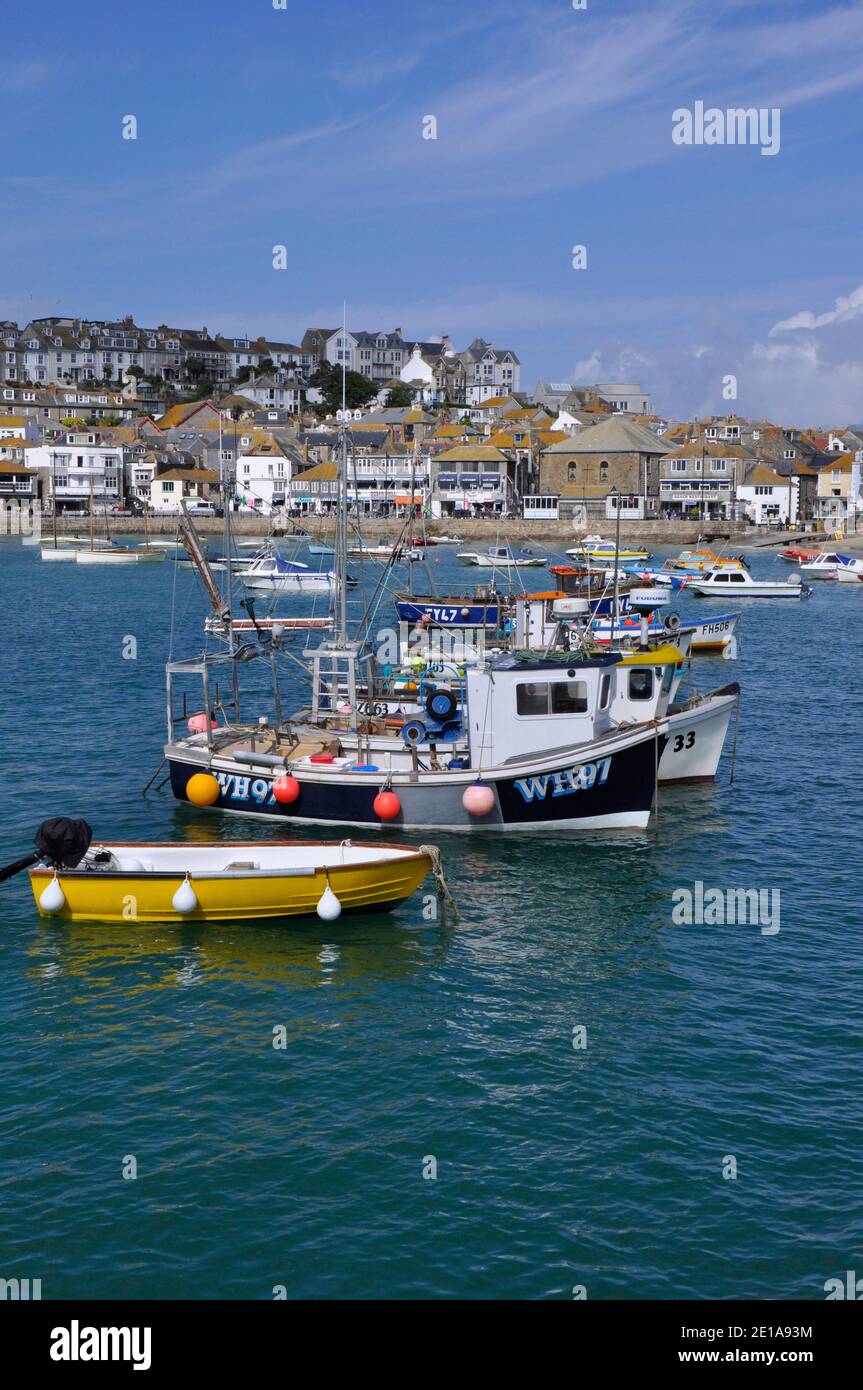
x=63, y=842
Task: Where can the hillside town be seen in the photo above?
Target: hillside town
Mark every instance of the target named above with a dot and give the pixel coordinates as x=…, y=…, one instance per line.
x=109, y=416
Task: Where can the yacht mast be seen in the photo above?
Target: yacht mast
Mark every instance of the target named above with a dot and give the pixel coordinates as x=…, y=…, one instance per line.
x=342, y=530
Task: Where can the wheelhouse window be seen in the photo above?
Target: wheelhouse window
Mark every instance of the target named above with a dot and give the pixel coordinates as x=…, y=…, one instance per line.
x=554, y=697
x=641, y=685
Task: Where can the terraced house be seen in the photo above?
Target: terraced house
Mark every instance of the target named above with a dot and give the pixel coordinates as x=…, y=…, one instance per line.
x=700, y=479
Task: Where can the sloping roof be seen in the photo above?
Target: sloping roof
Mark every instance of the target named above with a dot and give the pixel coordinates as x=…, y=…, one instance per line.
x=480, y=453
x=759, y=476
x=322, y=472
x=612, y=436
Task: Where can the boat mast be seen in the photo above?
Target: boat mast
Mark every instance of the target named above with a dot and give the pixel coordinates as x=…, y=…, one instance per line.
x=226, y=538
x=342, y=529
x=92, y=546
x=54, y=495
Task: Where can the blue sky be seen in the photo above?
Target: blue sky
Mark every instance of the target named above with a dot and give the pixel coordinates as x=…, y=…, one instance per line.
x=303, y=126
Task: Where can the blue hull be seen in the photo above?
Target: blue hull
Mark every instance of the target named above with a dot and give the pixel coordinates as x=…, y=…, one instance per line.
x=451, y=612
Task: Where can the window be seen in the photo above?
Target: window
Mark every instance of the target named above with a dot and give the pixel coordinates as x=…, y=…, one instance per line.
x=737, y=578
x=641, y=685
x=679, y=465
x=531, y=698
x=605, y=691
x=561, y=697
x=603, y=471
x=569, y=697
x=167, y=487
x=571, y=472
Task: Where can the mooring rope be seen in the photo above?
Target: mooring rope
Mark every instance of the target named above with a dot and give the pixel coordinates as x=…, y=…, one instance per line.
x=445, y=897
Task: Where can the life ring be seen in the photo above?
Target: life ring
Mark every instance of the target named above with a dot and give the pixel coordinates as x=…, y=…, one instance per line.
x=672, y=622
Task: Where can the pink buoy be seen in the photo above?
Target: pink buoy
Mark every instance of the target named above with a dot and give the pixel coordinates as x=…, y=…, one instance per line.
x=286, y=789
x=478, y=799
x=386, y=805
x=199, y=723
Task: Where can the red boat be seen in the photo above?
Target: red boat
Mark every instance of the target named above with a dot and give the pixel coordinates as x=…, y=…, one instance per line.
x=798, y=556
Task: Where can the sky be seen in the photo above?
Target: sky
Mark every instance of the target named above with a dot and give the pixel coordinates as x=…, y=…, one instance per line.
x=303, y=126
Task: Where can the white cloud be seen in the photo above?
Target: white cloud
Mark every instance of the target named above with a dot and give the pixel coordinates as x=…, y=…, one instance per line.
x=847, y=308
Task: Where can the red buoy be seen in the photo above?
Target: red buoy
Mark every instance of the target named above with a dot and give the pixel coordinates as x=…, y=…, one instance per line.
x=387, y=805
x=286, y=789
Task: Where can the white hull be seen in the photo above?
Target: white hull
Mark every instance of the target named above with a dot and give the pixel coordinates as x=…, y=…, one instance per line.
x=49, y=553
x=106, y=557
x=696, y=737
x=290, y=583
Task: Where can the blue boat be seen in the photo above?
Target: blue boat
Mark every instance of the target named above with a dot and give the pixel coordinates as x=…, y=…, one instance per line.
x=450, y=612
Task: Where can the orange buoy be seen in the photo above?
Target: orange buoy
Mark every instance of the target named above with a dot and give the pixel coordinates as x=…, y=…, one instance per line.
x=387, y=805
x=199, y=723
x=286, y=789
x=202, y=789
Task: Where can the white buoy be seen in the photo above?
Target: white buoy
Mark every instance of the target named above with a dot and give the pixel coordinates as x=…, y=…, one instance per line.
x=729, y=651
x=52, y=898
x=184, y=900
x=329, y=907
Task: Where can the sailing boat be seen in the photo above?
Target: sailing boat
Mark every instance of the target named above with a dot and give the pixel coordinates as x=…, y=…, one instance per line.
x=107, y=553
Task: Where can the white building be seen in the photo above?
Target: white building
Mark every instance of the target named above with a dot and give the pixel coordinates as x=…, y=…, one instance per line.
x=264, y=472
x=77, y=467
x=765, y=496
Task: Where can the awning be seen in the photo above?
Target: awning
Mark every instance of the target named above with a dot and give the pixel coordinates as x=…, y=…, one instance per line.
x=404, y=499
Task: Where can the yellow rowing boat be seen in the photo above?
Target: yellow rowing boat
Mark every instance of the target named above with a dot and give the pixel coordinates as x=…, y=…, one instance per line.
x=230, y=881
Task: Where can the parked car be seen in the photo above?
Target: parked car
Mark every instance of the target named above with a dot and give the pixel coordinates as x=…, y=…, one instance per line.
x=196, y=507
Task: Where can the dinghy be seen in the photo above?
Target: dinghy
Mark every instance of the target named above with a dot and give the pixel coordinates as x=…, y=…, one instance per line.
x=235, y=881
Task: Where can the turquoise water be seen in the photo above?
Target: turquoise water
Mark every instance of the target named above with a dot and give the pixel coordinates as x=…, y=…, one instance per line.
x=409, y=1039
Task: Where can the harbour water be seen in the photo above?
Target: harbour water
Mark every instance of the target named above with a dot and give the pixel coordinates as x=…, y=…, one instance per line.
x=564, y=1159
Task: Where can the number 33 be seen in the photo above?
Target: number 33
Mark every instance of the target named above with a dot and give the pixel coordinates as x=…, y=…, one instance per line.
x=683, y=741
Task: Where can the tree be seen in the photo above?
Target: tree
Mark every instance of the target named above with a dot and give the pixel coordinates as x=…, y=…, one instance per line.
x=400, y=396
x=328, y=380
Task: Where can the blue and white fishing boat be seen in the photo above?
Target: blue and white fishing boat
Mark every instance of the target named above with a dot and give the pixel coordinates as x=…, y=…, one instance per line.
x=457, y=612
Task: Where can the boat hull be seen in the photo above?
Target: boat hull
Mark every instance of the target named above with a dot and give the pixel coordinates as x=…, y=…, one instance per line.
x=696, y=737
x=608, y=784
x=449, y=612
x=290, y=584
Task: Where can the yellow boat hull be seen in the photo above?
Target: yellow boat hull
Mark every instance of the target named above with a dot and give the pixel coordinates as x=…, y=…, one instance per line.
x=145, y=897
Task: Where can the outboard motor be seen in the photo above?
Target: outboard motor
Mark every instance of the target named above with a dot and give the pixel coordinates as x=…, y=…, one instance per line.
x=61, y=842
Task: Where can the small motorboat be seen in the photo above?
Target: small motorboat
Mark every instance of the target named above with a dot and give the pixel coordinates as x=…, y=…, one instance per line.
x=701, y=561
x=272, y=574
x=723, y=583
x=501, y=557
x=828, y=563
x=796, y=555
x=241, y=881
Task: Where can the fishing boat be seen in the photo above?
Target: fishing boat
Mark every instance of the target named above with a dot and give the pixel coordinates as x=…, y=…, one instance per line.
x=827, y=564
x=463, y=610
x=724, y=583
x=143, y=882
x=271, y=574
x=710, y=636
x=501, y=557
